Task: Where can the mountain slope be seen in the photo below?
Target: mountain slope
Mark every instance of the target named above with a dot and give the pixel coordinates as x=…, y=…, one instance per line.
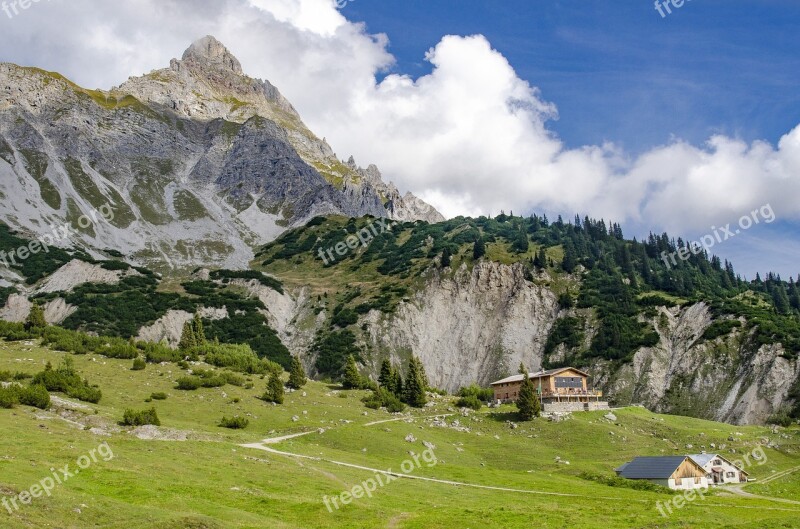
x=199, y=163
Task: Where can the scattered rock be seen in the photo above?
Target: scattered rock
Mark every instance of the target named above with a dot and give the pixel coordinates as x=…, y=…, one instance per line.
x=610, y=416
x=411, y=439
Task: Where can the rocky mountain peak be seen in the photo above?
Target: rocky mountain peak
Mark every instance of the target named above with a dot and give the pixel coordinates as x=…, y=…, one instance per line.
x=208, y=51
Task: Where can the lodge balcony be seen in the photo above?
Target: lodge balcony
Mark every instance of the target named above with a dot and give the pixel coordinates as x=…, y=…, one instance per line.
x=572, y=395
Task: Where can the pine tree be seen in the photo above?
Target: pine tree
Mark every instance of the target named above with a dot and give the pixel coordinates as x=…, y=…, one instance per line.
x=528, y=402
x=35, y=318
x=479, y=250
x=187, y=338
x=385, y=378
x=199, y=332
x=397, y=384
x=540, y=261
x=297, y=376
x=274, y=391
x=414, y=390
x=522, y=369
x=352, y=379
x=521, y=243
x=446, y=257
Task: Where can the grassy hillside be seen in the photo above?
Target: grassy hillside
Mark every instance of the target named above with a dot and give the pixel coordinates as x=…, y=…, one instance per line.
x=210, y=481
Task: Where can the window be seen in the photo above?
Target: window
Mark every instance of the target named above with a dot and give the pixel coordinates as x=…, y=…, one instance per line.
x=730, y=474
x=697, y=481
x=569, y=382
x=717, y=462
x=678, y=481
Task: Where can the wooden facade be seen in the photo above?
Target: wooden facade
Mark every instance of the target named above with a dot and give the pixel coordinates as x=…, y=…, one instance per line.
x=556, y=385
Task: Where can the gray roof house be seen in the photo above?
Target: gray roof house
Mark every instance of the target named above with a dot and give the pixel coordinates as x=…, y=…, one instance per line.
x=719, y=470
x=675, y=472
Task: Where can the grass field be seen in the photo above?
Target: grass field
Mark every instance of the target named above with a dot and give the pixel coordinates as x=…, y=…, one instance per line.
x=209, y=480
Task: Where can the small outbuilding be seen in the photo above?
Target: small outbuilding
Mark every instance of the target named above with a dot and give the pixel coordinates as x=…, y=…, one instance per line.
x=675, y=472
x=719, y=470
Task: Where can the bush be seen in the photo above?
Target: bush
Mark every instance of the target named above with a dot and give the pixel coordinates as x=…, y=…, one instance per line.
x=8, y=398
x=35, y=395
x=239, y=358
x=188, y=383
x=159, y=396
x=382, y=398
x=234, y=423
x=781, y=418
x=481, y=394
x=471, y=402
x=8, y=376
x=66, y=380
x=140, y=418
x=139, y=364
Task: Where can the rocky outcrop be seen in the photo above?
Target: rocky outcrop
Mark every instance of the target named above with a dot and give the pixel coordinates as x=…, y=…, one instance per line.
x=198, y=162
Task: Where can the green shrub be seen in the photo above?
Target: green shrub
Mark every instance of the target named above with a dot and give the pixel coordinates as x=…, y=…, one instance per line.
x=781, y=418
x=8, y=398
x=66, y=380
x=481, y=394
x=382, y=398
x=35, y=395
x=471, y=402
x=234, y=423
x=159, y=396
x=139, y=364
x=8, y=376
x=721, y=328
x=616, y=481
x=188, y=383
x=140, y=418
x=239, y=358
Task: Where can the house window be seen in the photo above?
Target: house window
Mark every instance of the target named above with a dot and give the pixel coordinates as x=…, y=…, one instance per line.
x=678, y=481
x=697, y=481
x=717, y=462
x=730, y=474
x=569, y=382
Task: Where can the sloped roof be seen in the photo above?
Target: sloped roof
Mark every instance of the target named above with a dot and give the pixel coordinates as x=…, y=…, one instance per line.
x=548, y=373
x=703, y=459
x=651, y=467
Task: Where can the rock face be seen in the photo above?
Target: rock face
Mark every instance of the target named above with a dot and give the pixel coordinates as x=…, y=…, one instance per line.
x=478, y=325
x=198, y=163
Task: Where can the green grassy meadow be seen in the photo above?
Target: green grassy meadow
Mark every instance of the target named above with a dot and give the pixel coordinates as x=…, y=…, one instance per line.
x=210, y=481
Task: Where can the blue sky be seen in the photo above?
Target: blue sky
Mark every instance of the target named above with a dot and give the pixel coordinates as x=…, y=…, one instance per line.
x=618, y=71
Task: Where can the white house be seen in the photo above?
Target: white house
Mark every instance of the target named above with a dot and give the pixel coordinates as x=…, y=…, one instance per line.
x=675, y=472
x=719, y=470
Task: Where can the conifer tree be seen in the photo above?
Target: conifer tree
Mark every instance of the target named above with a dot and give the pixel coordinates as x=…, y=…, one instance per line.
x=297, y=376
x=414, y=390
x=397, y=384
x=274, y=391
x=199, y=332
x=385, y=378
x=187, y=337
x=479, y=250
x=35, y=318
x=352, y=379
x=446, y=257
x=528, y=402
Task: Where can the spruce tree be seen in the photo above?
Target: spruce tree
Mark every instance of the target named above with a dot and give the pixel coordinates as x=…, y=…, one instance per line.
x=414, y=390
x=199, y=332
x=35, y=318
x=297, y=376
x=385, y=378
x=446, y=257
x=397, y=384
x=274, y=391
x=187, y=337
x=352, y=379
x=528, y=402
x=479, y=250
